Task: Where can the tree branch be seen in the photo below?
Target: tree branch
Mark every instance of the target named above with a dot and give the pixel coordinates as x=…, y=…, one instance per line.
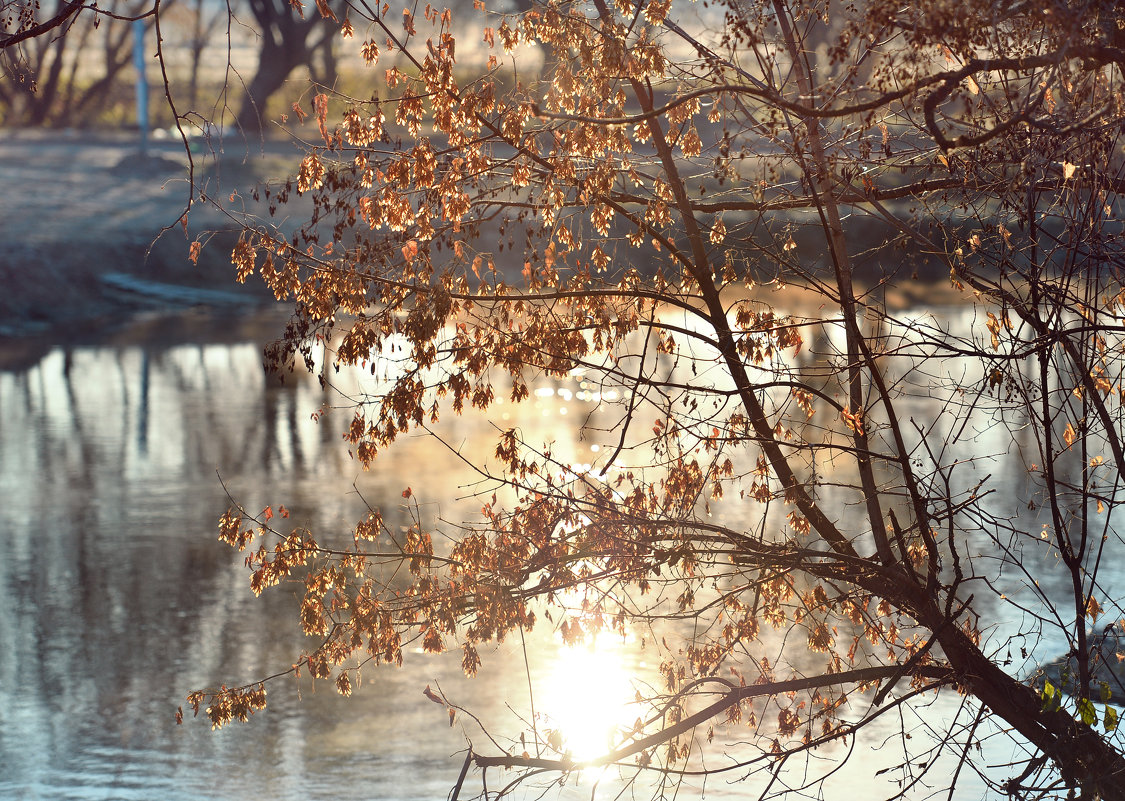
x=937, y=673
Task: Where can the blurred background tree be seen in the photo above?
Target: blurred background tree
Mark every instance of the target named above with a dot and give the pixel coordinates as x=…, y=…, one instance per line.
x=75, y=68
x=71, y=67
x=287, y=39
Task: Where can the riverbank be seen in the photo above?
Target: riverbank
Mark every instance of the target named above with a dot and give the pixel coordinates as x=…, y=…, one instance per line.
x=90, y=232
x=90, y=228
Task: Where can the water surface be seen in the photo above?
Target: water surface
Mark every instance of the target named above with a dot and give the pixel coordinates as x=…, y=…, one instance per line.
x=119, y=454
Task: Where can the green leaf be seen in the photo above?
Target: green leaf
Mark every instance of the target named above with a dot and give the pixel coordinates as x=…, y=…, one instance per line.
x=1106, y=693
x=1110, y=718
x=1051, y=696
x=1086, y=711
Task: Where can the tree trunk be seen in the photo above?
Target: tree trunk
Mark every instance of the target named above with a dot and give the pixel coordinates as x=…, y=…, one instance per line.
x=276, y=64
x=1083, y=757
x=285, y=46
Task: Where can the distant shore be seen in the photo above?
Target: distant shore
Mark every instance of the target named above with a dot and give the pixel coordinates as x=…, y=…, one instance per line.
x=90, y=233
x=89, y=227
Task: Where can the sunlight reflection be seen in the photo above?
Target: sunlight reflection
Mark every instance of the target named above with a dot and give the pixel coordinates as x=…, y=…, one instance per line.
x=586, y=698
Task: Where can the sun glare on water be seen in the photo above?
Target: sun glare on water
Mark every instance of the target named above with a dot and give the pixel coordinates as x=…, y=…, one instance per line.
x=586, y=700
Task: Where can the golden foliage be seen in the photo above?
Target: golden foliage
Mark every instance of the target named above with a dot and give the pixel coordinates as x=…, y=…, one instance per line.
x=622, y=218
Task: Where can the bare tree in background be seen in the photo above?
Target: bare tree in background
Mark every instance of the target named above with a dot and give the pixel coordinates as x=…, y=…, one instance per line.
x=59, y=68
x=206, y=21
x=288, y=38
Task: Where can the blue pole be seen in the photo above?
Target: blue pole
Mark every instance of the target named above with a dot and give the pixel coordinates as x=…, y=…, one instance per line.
x=142, y=82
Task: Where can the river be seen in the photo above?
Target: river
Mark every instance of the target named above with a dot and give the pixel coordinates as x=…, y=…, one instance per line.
x=119, y=454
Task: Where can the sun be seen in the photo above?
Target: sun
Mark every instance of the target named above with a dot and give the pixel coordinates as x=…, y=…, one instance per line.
x=585, y=702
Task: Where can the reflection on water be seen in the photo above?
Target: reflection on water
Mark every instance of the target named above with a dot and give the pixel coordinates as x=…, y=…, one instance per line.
x=117, y=459
x=117, y=600
x=587, y=696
